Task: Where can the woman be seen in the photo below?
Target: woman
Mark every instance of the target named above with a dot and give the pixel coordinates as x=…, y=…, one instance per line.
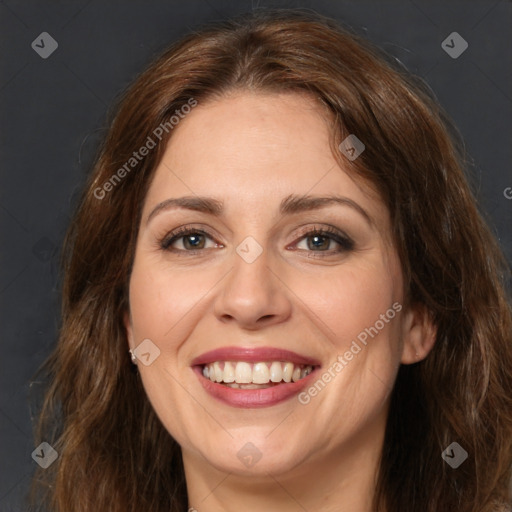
x=279, y=230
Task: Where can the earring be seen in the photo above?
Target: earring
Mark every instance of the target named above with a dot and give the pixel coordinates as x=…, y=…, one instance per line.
x=133, y=356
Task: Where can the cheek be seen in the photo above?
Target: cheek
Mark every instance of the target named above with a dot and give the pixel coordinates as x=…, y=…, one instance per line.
x=349, y=302
x=164, y=304
x=364, y=347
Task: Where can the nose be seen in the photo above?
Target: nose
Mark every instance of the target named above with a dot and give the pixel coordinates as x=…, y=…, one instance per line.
x=252, y=295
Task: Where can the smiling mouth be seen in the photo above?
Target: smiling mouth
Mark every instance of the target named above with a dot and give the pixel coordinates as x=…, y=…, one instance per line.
x=259, y=375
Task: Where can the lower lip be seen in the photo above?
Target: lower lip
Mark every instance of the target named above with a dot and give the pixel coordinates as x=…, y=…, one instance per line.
x=252, y=398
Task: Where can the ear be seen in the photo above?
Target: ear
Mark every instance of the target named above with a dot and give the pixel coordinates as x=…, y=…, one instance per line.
x=419, y=334
x=129, y=329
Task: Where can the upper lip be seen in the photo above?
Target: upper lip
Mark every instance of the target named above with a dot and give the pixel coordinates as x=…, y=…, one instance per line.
x=253, y=355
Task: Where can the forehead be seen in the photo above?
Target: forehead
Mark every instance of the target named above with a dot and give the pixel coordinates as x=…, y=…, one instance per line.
x=251, y=150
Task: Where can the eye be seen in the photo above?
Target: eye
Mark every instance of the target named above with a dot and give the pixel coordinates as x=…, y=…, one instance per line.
x=188, y=240
x=327, y=240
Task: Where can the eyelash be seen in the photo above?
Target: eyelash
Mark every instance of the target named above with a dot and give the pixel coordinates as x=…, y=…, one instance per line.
x=346, y=243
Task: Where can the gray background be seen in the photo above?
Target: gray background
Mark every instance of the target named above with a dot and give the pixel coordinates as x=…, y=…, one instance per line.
x=53, y=113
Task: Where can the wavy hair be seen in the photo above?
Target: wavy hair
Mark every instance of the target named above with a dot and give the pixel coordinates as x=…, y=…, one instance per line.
x=114, y=454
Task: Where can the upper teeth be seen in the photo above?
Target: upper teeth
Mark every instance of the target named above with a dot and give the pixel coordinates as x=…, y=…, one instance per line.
x=257, y=373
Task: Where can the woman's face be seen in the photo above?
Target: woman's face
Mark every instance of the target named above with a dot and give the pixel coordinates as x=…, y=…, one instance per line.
x=261, y=259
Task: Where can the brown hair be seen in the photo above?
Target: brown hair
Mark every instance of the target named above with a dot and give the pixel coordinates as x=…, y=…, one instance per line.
x=114, y=454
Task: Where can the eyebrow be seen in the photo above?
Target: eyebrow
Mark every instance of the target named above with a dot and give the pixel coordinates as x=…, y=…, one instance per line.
x=289, y=205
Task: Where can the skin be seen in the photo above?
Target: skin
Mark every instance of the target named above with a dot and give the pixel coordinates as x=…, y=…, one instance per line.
x=250, y=151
